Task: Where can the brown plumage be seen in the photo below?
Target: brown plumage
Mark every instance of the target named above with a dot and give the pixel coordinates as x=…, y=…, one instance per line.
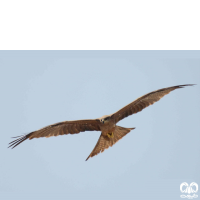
x=110, y=132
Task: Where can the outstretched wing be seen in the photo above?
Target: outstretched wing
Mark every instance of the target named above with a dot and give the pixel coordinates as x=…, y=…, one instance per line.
x=104, y=142
x=144, y=101
x=61, y=128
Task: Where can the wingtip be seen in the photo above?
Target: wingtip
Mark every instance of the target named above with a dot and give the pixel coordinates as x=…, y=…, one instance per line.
x=17, y=141
x=186, y=85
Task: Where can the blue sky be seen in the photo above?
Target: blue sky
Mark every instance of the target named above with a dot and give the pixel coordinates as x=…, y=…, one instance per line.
x=39, y=88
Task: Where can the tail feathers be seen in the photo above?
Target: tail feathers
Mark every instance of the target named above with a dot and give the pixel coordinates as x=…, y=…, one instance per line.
x=105, y=142
x=119, y=133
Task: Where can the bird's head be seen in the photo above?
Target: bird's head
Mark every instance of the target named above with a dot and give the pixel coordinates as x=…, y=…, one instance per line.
x=105, y=119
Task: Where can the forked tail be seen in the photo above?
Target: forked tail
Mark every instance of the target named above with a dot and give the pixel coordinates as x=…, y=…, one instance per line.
x=104, y=142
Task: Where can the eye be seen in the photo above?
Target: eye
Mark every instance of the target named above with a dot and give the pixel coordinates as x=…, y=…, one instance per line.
x=106, y=118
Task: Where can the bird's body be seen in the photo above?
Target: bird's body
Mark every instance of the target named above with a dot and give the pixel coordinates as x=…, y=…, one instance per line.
x=107, y=125
x=110, y=132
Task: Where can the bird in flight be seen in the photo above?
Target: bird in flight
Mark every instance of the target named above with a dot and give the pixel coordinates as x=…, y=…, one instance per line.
x=110, y=132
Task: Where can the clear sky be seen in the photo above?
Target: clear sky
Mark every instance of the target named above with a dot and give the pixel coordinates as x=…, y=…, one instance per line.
x=39, y=88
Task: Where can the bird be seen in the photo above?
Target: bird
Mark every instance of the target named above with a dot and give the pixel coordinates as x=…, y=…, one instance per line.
x=107, y=124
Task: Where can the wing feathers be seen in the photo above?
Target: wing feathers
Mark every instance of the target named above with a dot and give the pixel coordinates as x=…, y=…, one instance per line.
x=67, y=127
x=18, y=141
x=144, y=101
